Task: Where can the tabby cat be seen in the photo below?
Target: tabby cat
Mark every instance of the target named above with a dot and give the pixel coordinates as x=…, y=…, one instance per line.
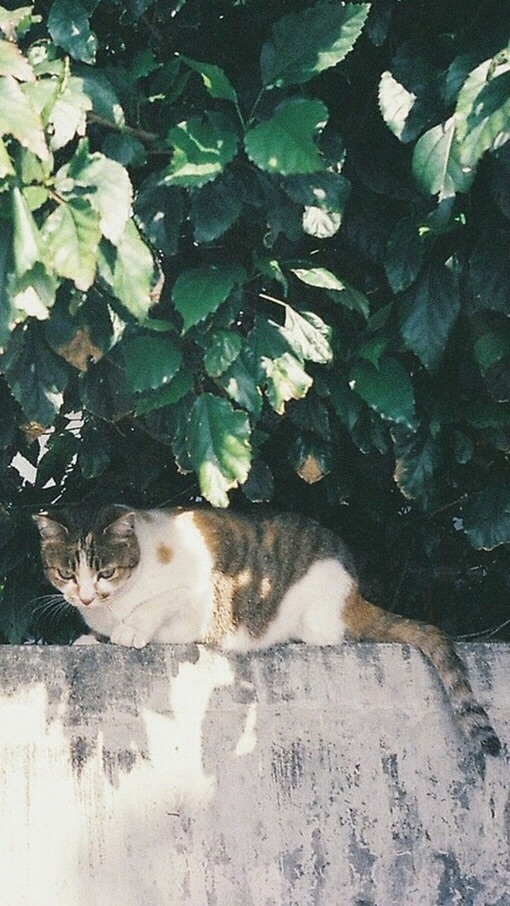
x=199, y=575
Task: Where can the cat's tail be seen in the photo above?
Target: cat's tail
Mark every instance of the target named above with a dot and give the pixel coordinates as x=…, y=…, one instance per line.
x=367, y=622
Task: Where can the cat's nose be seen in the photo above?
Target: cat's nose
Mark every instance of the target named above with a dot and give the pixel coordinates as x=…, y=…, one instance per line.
x=86, y=599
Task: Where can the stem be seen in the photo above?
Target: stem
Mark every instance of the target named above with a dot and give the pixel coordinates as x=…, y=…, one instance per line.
x=129, y=130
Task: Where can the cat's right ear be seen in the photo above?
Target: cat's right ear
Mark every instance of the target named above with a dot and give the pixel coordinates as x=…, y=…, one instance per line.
x=49, y=528
x=123, y=526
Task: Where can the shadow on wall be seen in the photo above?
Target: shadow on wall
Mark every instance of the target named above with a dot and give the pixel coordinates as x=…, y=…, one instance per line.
x=296, y=776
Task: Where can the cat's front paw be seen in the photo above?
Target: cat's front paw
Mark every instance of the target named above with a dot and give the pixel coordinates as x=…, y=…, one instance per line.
x=129, y=636
x=86, y=640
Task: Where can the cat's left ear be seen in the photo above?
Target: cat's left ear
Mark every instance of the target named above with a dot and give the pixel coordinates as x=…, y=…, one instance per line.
x=123, y=526
x=49, y=528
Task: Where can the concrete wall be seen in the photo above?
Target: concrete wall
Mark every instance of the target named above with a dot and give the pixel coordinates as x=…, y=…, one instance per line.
x=297, y=777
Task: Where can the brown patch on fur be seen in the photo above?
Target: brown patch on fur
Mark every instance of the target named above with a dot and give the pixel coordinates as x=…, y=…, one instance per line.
x=164, y=553
x=223, y=621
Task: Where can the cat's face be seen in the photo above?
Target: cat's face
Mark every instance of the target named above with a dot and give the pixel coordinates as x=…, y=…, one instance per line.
x=89, y=563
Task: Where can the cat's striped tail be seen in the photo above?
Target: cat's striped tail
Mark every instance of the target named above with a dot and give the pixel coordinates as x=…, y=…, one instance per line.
x=365, y=621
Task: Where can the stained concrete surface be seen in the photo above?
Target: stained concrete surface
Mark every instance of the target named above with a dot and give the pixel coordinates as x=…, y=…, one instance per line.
x=294, y=777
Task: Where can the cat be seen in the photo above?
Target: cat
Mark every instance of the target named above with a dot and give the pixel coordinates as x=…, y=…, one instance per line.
x=243, y=583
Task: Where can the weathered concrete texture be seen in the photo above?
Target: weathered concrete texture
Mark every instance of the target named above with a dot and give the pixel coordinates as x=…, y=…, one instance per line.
x=296, y=777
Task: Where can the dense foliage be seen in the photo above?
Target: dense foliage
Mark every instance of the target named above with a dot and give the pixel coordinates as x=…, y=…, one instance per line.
x=258, y=251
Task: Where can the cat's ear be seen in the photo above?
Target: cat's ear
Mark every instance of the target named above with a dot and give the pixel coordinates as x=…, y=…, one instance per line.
x=49, y=528
x=123, y=526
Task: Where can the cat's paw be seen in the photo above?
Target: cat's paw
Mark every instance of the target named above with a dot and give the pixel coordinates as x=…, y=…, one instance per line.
x=128, y=636
x=86, y=640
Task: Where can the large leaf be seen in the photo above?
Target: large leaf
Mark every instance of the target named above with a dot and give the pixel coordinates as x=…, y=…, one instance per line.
x=305, y=43
x=308, y=335
x=487, y=516
x=68, y=25
x=159, y=212
x=68, y=115
x=129, y=270
x=428, y=311
x=483, y=110
x=417, y=460
x=37, y=379
x=387, y=389
x=200, y=291
x=19, y=118
x=105, y=183
x=285, y=143
x=286, y=379
x=404, y=255
x=219, y=445
x=151, y=362
x=71, y=235
x=338, y=289
x=436, y=162
x=215, y=208
x=224, y=347
x=202, y=148
x=13, y=63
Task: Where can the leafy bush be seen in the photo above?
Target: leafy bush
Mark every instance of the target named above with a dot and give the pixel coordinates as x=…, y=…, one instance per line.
x=258, y=251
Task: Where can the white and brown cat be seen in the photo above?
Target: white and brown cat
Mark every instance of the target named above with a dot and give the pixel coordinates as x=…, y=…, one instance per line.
x=199, y=575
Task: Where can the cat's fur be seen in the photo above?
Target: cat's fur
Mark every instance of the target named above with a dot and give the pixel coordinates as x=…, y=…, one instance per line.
x=243, y=583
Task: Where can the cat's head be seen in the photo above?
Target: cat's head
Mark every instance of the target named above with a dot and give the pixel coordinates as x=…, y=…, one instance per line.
x=88, y=557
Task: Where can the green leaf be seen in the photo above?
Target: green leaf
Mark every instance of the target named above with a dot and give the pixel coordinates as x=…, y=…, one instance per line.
x=151, y=362
x=436, y=162
x=200, y=291
x=94, y=451
x=159, y=211
x=428, y=311
x=168, y=395
x=489, y=269
x=19, y=118
x=214, y=79
x=319, y=277
x=6, y=167
x=286, y=142
x=492, y=346
x=387, y=389
x=129, y=271
x=337, y=289
x=37, y=379
x=308, y=42
x=224, y=347
x=482, y=113
x=215, y=208
x=68, y=25
x=417, y=460
x=103, y=97
x=104, y=182
x=13, y=63
x=286, y=379
x=308, y=335
x=71, y=235
x=242, y=378
x=404, y=255
x=27, y=241
x=396, y=104
x=259, y=486
x=219, y=447
x=202, y=148
x=68, y=115
x=487, y=516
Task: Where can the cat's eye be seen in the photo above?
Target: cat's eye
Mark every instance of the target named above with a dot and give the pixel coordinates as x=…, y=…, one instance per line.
x=106, y=573
x=65, y=574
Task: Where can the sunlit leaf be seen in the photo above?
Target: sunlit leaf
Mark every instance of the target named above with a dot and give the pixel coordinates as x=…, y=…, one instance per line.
x=308, y=42
x=219, y=445
x=285, y=143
